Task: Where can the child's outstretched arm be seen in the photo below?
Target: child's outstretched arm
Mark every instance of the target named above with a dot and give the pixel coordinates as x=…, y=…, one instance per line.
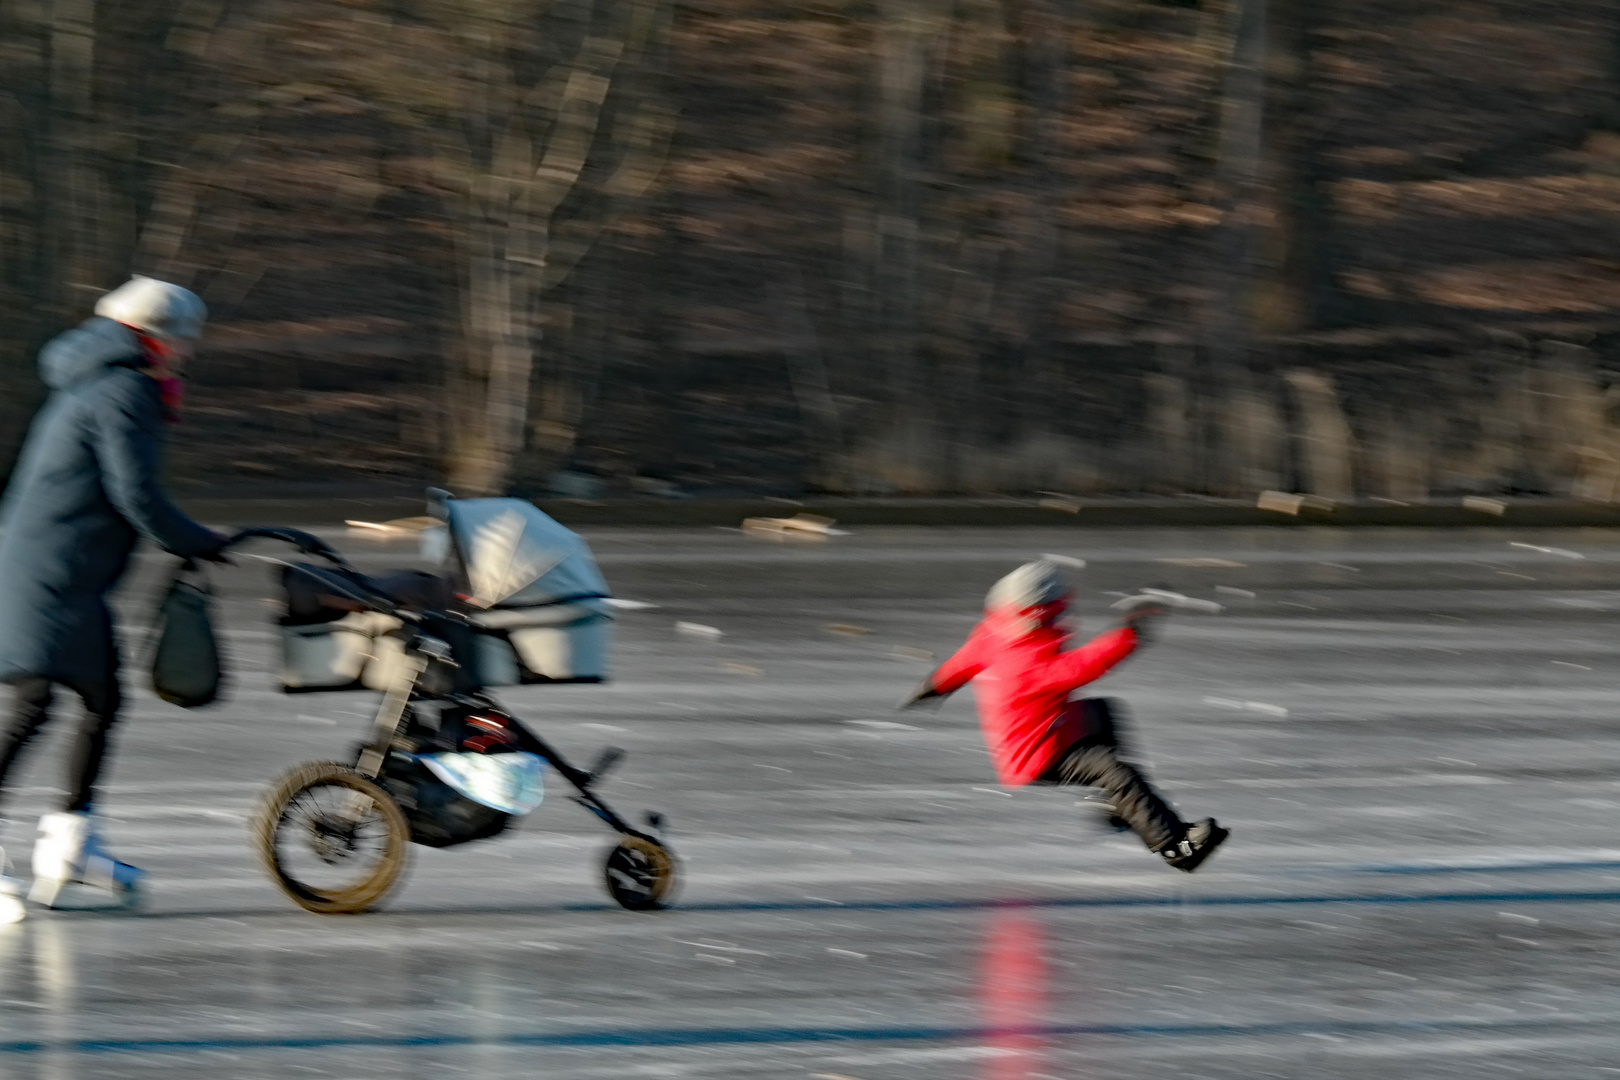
x=1091, y=661
x=952, y=675
x=1096, y=657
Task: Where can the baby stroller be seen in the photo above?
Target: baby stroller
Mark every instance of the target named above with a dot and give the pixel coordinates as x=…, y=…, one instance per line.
x=521, y=602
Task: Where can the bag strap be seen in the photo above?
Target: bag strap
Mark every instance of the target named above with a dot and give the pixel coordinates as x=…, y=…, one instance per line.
x=192, y=573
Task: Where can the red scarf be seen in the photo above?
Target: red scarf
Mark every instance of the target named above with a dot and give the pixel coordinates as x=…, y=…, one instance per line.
x=171, y=387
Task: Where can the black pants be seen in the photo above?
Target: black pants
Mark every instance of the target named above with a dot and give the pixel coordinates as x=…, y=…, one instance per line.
x=1095, y=761
x=31, y=705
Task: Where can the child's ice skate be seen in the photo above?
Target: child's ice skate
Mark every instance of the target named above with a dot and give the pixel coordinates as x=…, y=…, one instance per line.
x=70, y=852
x=1196, y=844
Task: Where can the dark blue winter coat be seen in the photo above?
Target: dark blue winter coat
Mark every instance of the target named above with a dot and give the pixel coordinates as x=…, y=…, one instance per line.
x=86, y=484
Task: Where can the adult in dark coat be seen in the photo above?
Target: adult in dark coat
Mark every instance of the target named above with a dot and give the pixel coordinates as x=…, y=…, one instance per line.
x=85, y=487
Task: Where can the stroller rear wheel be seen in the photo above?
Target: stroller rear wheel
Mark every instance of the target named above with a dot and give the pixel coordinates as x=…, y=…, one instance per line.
x=640, y=874
x=333, y=840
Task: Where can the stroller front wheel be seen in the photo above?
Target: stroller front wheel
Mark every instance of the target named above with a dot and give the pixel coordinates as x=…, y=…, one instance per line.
x=334, y=841
x=640, y=874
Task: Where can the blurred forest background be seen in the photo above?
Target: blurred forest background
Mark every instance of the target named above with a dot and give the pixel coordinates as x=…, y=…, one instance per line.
x=1347, y=247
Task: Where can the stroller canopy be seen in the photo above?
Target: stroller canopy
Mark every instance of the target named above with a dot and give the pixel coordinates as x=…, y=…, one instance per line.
x=517, y=556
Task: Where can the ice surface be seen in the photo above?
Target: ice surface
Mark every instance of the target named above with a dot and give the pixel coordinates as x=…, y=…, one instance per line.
x=1423, y=878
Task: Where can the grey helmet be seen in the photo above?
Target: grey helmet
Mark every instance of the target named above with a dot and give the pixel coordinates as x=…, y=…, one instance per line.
x=155, y=307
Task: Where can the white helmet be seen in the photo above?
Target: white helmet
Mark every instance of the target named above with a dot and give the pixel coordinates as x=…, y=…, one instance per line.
x=1035, y=584
x=155, y=307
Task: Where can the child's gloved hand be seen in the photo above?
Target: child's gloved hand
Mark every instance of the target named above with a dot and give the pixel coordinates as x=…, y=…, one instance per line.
x=924, y=697
x=1142, y=614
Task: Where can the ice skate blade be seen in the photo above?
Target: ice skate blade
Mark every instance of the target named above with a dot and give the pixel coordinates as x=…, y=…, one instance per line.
x=44, y=892
x=84, y=896
x=1187, y=864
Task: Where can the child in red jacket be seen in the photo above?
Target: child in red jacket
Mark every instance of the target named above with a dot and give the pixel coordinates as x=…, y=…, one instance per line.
x=1037, y=735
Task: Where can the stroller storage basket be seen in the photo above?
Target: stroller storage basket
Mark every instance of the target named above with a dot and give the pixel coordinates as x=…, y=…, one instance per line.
x=351, y=653
x=555, y=643
x=329, y=641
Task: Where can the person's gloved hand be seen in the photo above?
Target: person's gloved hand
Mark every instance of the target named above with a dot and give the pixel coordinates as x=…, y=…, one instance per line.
x=925, y=696
x=217, y=555
x=1142, y=614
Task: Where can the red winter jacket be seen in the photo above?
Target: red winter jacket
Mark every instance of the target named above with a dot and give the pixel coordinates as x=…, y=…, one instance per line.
x=1024, y=678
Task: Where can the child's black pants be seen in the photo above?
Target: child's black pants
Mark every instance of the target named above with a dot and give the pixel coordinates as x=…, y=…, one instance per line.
x=1095, y=761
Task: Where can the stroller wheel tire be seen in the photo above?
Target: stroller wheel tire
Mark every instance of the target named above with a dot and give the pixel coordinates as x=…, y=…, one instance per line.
x=331, y=839
x=640, y=874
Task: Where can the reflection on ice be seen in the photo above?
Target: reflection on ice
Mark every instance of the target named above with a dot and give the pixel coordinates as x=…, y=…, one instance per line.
x=1013, y=995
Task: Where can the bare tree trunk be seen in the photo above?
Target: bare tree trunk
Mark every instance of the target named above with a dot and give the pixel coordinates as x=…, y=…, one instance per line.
x=860, y=373
x=77, y=120
x=1501, y=454
x=1228, y=329
x=1172, y=442
x=1044, y=30
x=1572, y=426
x=1398, y=457
x=806, y=368
x=24, y=121
x=523, y=152
x=906, y=41
x=1305, y=252
x=471, y=448
x=1251, y=429
x=492, y=396
x=1327, y=443
x=76, y=186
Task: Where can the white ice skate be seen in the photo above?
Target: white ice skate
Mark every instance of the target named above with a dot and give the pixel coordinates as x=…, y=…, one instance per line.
x=70, y=852
x=11, y=894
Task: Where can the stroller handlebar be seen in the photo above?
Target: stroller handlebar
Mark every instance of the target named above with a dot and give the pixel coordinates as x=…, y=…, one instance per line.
x=308, y=543
x=363, y=588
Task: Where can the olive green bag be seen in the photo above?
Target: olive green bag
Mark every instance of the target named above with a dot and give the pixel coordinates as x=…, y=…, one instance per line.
x=186, y=665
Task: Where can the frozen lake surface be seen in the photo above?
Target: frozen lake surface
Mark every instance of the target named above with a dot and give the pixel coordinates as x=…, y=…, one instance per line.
x=1414, y=735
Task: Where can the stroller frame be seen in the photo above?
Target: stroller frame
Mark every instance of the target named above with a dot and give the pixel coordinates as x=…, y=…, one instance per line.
x=421, y=651
x=639, y=873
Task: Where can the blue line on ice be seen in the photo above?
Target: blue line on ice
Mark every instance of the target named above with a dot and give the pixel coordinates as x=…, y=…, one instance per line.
x=1056, y=902
x=818, y=904
x=665, y=1037
x=1477, y=868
